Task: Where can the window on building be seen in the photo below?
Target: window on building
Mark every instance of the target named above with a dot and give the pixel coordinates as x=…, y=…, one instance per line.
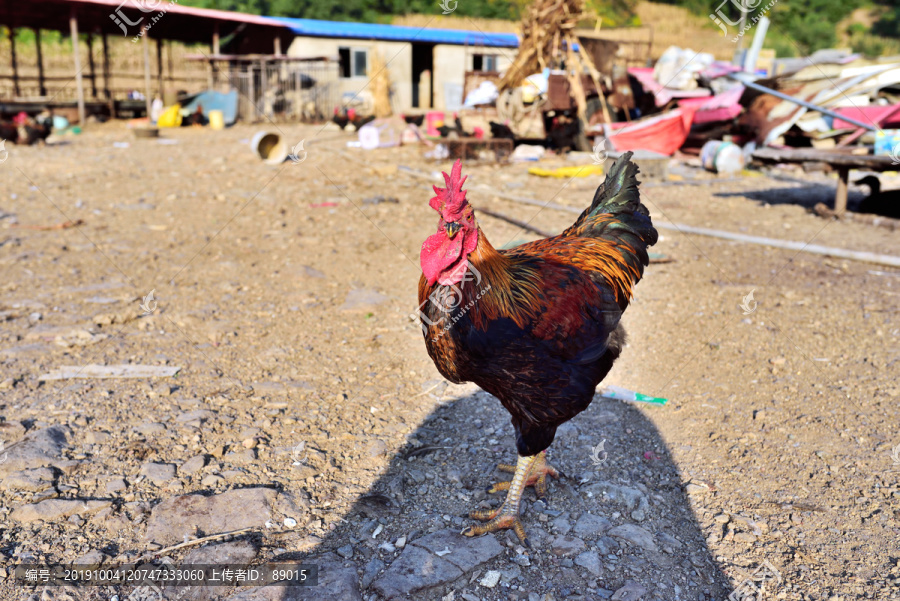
x=360, y=63
x=484, y=62
x=354, y=62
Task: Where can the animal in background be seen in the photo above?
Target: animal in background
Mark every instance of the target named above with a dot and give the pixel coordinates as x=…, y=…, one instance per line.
x=878, y=202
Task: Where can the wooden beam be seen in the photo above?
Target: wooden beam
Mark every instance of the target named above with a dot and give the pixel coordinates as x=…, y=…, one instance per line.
x=79, y=83
x=40, y=62
x=277, y=46
x=14, y=62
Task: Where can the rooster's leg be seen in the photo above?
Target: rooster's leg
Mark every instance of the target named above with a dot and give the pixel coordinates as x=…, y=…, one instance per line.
x=529, y=471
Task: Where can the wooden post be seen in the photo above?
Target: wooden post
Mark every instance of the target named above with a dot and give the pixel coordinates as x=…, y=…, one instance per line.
x=215, y=40
x=15, y=65
x=159, y=67
x=90, y=54
x=264, y=86
x=215, y=51
x=79, y=83
x=40, y=62
x=170, y=69
x=252, y=90
x=840, y=195
x=277, y=46
x=146, y=44
x=106, y=77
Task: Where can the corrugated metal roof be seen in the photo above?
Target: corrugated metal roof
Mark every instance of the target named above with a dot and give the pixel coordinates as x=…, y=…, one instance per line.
x=377, y=31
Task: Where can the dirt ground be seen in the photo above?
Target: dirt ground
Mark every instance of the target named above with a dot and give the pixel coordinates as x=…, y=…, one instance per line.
x=284, y=296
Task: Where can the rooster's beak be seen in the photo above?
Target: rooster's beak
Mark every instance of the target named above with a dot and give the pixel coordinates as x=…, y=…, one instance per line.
x=452, y=228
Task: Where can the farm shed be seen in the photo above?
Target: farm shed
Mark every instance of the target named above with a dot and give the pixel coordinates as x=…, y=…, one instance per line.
x=225, y=32
x=427, y=66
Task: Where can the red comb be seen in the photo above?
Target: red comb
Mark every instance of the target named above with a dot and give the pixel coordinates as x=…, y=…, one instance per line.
x=451, y=201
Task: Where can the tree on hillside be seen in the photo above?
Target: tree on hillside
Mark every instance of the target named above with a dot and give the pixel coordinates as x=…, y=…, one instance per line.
x=373, y=11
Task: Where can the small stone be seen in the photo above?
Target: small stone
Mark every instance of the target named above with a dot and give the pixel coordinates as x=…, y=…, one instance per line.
x=465, y=553
x=38, y=448
x=722, y=518
x=491, y=579
x=151, y=429
x=371, y=571
x=635, y=535
x=346, y=551
x=590, y=560
x=744, y=537
x=193, y=465
x=116, y=485
x=245, y=456
x=376, y=448
x=55, y=509
x=564, y=546
x=35, y=480
x=669, y=540
x=235, y=509
x=212, y=481
x=249, y=443
x=290, y=522
x=632, y=591
x=414, y=570
x=561, y=525
x=158, y=473
x=696, y=489
x=591, y=526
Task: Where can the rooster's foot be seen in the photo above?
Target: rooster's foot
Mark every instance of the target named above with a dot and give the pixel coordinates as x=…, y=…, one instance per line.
x=497, y=520
x=528, y=471
x=537, y=476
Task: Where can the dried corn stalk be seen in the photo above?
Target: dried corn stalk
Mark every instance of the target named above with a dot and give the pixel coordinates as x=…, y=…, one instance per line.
x=381, y=86
x=546, y=26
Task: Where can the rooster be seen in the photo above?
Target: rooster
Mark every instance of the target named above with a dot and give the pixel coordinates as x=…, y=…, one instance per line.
x=537, y=325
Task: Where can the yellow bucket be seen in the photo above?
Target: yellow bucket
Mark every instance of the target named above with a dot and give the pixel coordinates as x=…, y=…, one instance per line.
x=216, y=120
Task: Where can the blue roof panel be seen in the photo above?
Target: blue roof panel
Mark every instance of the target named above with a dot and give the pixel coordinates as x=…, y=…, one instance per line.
x=395, y=33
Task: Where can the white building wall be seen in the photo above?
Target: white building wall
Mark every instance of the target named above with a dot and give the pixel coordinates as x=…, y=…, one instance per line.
x=450, y=65
x=398, y=56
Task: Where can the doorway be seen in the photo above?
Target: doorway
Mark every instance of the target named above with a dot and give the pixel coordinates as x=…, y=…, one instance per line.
x=422, y=61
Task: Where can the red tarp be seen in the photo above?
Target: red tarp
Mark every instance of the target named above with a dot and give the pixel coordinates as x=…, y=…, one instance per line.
x=723, y=107
x=868, y=114
x=664, y=133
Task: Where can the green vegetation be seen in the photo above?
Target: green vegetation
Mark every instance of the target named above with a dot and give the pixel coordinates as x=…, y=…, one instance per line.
x=798, y=27
x=363, y=10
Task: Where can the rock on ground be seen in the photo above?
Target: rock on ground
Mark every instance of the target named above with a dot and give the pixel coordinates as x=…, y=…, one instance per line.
x=184, y=515
x=56, y=509
x=337, y=582
x=635, y=535
x=418, y=567
x=41, y=448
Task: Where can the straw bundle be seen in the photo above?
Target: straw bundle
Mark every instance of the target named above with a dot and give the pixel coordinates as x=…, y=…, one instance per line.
x=381, y=86
x=548, y=36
